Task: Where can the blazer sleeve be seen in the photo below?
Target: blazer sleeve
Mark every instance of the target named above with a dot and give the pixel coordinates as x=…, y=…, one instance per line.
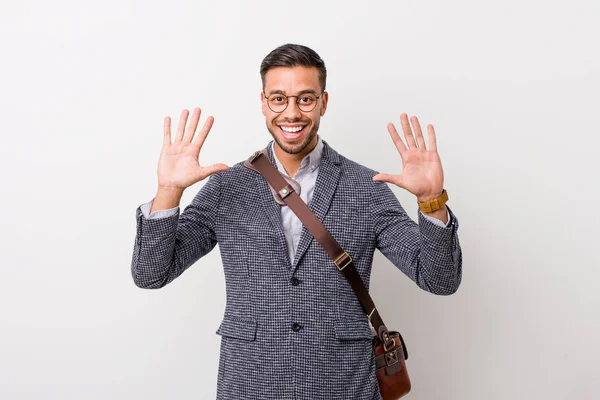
x=427, y=253
x=146, y=207
x=165, y=247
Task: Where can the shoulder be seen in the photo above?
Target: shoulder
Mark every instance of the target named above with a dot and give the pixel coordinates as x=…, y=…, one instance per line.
x=235, y=175
x=354, y=168
x=350, y=168
x=359, y=178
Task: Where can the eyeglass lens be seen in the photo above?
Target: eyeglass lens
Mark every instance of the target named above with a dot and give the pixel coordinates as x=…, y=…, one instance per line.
x=278, y=102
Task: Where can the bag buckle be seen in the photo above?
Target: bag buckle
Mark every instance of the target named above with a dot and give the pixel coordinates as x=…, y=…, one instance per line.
x=388, y=341
x=340, y=259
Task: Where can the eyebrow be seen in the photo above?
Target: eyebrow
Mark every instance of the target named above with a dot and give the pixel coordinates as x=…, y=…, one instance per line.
x=299, y=93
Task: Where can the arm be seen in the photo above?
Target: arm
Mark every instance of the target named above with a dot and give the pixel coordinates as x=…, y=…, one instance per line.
x=166, y=246
x=146, y=207
x=167, y=243
x=427, y=253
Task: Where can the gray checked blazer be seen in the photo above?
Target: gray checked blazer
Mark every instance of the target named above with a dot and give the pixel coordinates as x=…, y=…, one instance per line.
x=294, y=329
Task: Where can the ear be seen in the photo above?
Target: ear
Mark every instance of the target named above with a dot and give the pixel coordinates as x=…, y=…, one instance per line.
x=324, y=100
x=263, y=104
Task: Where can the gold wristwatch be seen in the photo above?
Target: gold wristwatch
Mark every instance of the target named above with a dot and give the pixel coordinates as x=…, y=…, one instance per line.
x=434, y=204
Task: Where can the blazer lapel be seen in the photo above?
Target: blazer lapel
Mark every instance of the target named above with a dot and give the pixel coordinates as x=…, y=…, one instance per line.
x=325, y=186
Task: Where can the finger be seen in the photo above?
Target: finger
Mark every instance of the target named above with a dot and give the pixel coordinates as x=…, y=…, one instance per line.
x=181, y=126
x=418, y=133
x=432, y=138
x=212, y=169
x=396, y=138
x=410, y=140
x=204, y=131
x=189, y=132
x=167, y=131
x=383, y=178
x=395, y=179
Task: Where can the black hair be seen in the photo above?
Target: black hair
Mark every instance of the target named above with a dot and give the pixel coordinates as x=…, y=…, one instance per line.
x=291, y=55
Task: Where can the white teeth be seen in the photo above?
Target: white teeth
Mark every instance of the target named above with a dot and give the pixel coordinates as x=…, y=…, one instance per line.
x=291, y=129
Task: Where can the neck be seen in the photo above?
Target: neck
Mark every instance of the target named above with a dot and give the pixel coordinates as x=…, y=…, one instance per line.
x=291, y=162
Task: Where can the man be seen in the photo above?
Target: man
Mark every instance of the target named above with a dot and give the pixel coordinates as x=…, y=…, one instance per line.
x=293, y=328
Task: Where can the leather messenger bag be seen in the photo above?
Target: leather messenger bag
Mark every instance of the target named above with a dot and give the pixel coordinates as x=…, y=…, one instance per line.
x=388, y=346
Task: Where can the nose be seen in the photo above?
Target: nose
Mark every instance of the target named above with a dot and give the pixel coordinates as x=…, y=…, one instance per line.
x=292, y=111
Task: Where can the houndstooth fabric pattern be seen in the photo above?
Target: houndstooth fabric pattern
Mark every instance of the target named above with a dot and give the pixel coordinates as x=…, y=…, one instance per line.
x=294, y=329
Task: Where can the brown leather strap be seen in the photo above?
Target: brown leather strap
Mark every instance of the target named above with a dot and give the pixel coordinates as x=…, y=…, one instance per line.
x=259, y=160
x=289, y=180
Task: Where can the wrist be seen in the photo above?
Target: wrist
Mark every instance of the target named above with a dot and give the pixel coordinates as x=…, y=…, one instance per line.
x=428, y=197
x=440, y=214
x=432, y=204
x=172, y=190
x=169, y=194
x=437, y=213
x=166, y=198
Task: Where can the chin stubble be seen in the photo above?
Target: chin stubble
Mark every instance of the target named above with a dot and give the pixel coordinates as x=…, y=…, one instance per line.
x=303, y=146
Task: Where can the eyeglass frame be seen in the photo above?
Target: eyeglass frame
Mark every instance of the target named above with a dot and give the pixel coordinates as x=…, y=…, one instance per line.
x=287, y=103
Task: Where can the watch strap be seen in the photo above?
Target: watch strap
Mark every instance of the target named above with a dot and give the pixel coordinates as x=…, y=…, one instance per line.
x=434, y=204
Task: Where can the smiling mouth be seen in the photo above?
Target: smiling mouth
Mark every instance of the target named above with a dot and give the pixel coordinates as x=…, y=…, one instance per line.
x=292, y=132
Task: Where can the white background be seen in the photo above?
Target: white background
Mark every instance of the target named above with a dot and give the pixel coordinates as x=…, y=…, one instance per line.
x=511, y=88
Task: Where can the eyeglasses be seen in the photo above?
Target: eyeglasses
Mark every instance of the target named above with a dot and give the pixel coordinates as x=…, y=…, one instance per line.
x=306, y=102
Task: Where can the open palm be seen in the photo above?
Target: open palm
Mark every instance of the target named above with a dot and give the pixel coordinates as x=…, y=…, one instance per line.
x=179, y=166
x=422, y=173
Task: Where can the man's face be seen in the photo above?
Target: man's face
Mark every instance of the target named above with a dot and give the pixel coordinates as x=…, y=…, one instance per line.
x=284, y=126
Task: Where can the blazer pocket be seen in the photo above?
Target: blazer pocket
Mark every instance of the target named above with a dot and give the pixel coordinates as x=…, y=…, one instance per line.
x=352, y=330
x=238, y=328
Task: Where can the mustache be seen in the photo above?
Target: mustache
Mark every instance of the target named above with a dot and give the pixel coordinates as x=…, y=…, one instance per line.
x=293, y=121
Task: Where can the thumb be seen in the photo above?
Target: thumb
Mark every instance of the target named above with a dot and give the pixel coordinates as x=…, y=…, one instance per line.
x=389, y=178
x=207, y=171
x=211, y=169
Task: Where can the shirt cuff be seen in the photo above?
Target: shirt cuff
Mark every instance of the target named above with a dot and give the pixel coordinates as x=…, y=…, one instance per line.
x=146, y=207
x=437, y=221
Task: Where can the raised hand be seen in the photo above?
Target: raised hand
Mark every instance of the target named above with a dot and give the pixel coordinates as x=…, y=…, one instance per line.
x=178, y=166
x=422, y=173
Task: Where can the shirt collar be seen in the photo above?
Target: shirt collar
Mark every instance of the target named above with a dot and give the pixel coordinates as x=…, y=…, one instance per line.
x=312, y=159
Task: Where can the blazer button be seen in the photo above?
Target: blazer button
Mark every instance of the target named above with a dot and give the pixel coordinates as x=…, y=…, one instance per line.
x=295, y=281
x=296, y=327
